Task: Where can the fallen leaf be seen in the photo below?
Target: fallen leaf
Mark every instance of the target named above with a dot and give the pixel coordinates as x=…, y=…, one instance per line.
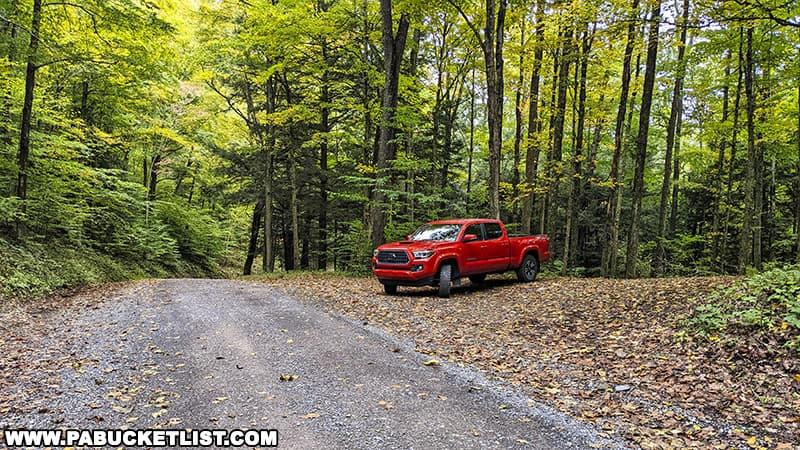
x=386, y=404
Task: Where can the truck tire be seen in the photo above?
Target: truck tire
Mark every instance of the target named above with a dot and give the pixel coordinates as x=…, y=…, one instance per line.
x=477, y=279
x=390, y=289
x=445, y=275
x=529, y=268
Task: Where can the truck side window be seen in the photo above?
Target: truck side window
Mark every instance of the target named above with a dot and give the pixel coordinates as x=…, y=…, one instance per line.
x=493, y=231
x=476, y=230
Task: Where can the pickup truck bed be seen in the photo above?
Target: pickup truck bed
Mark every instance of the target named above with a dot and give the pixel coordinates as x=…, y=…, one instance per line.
x=442, y=252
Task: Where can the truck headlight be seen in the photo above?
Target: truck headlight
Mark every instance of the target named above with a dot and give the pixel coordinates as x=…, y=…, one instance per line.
x=423, y=254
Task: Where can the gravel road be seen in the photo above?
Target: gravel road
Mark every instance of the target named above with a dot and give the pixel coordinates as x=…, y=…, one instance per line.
x=225, y=354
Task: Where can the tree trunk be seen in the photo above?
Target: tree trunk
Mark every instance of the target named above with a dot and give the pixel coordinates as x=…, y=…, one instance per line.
x=675, y=111
x=471, y=139
x=10, y=26
x=632, y=254
x=570, y=229
x=797, y=177
x=534, y=126
x=544, y=213
x=252, y=247
x=324, y=128
x=734, y=142
x=676, y=173
x=746, y=239
x=27, y=104
x=181, y=175
x=494, y=35
x=154, y=163
x=393, y=47
x=567, y=53
x=718, y=244
x=608, y=261
x=268, y=262
x=295, y=215
x=515, y=178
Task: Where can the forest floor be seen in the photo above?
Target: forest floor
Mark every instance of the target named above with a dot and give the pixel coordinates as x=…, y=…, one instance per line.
x=612, y=353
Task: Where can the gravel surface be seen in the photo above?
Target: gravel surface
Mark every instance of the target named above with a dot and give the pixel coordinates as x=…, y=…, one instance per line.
x=213, y=354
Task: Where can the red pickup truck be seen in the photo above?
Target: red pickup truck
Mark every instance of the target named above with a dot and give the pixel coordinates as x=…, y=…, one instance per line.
x=443, y=252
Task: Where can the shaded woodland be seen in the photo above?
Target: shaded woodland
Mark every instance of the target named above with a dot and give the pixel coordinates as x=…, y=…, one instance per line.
x=645, y=138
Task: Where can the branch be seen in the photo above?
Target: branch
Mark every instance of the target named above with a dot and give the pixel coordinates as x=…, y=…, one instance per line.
x=471, y=26
x=229, y=101
x=769, y=11
x=92, y=16
x=75, y=60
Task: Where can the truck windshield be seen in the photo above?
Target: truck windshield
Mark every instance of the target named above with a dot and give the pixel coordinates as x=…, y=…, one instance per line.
x=439, y=232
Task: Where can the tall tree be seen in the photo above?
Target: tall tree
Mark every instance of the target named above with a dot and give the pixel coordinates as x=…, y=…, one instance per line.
x=565, y=57
x=23, y=153
x=571, y=226
x=746, y=240
x=632, y=254
x=533, y=148
x=612, y=209
x=675, y=111
x=797, y=174
x=491, y=42
x=393, y=48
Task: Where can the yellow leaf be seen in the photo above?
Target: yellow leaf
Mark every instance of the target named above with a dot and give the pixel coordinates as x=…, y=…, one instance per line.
x=797, y=377
x=131, y=419
x=386, y=404
x=432, y=362
x=310, y=416
x=157, y=414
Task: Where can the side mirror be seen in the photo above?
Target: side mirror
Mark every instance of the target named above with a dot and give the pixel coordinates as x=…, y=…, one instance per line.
x=470, y=237
x=408, y=237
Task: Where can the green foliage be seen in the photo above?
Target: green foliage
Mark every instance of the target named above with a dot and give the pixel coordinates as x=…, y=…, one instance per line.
x=32, y=269
x=765, y=306
x=353, y=249
x=197, y=235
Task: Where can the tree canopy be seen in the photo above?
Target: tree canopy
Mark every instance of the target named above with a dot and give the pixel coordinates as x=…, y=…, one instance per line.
x=645, y=138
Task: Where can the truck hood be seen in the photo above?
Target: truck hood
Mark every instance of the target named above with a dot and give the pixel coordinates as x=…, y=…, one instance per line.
x=415, y=245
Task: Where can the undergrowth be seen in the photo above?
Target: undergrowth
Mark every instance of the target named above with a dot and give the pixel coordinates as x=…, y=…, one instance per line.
x=31, y=269
x=762, y=308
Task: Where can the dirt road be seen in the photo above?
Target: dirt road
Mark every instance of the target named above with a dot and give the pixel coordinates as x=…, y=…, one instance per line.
x=220, y=354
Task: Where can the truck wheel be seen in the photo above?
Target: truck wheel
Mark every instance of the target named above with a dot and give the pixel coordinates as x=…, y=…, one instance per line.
x=390, y=289
x=528, y=269
x=445, y=273
x=477, y=279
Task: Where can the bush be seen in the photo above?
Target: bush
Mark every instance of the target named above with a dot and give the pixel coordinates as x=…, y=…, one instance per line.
x=765, y=306
x=353, y=250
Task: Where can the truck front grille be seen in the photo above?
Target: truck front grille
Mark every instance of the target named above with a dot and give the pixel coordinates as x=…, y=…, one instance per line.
x=392, y=257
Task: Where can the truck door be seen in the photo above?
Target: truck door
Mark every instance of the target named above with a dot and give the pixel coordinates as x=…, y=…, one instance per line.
x=474, y=251
x=498, y=251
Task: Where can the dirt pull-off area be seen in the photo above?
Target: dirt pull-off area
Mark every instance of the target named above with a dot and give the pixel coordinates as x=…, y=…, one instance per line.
x=611, y=353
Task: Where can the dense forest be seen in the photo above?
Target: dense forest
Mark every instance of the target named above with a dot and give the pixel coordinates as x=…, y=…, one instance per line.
x=645, y=138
